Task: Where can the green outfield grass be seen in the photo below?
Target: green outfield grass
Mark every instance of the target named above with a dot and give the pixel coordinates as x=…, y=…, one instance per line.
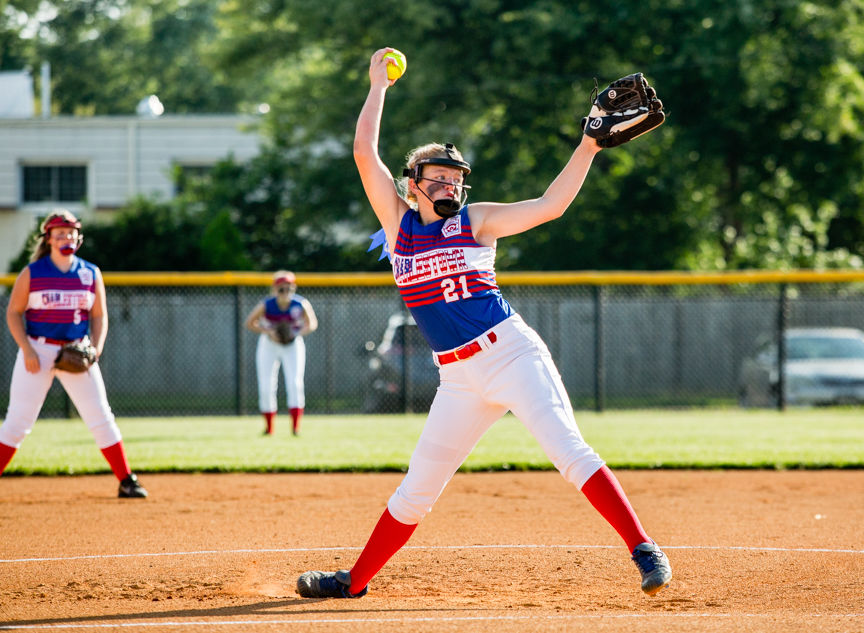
x=817, y=438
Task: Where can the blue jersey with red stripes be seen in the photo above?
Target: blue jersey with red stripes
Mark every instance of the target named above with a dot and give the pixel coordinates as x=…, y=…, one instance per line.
x=293, y=313
x=447, y=280
x=59, y=303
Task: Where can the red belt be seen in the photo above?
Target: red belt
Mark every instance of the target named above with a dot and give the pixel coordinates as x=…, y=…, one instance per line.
x=50, y=341
x=465, y=352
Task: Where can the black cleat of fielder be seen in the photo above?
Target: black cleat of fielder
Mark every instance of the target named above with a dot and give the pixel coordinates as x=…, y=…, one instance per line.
x=131, y=489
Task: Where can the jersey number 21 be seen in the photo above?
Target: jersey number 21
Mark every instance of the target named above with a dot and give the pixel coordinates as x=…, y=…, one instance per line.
x=451, y=292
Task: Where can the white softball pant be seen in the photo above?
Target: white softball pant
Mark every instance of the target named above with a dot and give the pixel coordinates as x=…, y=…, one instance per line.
x=515, y=373
x=27, y=395
x=268, y=356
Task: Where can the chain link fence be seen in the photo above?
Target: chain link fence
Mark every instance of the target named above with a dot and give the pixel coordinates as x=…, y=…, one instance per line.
x=176, y=343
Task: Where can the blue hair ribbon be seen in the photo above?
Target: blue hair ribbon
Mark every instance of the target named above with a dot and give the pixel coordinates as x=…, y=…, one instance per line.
x=379, y=238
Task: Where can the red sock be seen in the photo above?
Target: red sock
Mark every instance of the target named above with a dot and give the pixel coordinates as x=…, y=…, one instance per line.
x=386, y=539
x=116, y=457
x=296, y=414
x=6, y=453
x=268, y=418
x=606, y=495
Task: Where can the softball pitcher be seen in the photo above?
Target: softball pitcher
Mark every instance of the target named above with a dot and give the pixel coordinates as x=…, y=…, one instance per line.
x=57, y=299
x=282, y=320
x=490, y=361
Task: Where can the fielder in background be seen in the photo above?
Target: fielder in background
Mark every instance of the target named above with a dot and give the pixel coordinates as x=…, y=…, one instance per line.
x=282, y=320
x=59, y=300
x=490, y=361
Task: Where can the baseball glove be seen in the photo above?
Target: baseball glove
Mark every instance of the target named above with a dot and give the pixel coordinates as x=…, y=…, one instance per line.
x=627, y=108
x=75, y=357
x=284, y=332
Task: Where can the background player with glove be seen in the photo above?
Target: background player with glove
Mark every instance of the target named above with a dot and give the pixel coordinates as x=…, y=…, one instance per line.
x=490, y=361
x=58, y=316
x=282, y=320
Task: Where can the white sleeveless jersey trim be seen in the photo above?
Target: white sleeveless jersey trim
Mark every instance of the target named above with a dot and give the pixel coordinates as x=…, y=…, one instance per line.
x=60, y=300
x=442, y=262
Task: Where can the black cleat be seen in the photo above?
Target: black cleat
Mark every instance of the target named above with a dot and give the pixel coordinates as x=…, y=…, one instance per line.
x=131, y=489
x=327, y=584
x=654, y=567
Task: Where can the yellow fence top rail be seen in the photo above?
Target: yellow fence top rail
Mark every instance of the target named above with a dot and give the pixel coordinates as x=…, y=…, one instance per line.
x=553, y=278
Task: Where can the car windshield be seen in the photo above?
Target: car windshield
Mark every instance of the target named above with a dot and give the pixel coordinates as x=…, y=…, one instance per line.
x=805, y=348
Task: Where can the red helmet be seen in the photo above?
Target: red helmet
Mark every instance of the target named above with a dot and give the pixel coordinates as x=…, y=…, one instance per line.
x=284, y=277
x=60, y=221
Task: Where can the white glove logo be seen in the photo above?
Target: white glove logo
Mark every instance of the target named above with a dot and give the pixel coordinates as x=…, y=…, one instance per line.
x=595, y=124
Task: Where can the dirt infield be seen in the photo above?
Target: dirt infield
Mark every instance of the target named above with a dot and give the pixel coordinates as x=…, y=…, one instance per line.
x=751, y=551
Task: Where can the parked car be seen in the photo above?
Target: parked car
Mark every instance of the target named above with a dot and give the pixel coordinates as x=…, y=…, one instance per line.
x=384, y=391
x=824, y=366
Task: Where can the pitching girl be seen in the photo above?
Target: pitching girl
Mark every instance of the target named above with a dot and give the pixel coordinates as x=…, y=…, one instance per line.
x=282, y=320
x=490, y=361
x=60, y=298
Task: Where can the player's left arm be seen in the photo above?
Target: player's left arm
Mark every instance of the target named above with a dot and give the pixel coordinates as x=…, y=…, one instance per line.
x=99, y=315
x=491, y=220
x=310, y=319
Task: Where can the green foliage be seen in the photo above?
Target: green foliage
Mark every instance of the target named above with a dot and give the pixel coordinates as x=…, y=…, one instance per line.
x=727, y=438
x=757, y=166
x=286, y=210
x=761, y=147
x=106, y=55
x=222, y=245
x=15, y=50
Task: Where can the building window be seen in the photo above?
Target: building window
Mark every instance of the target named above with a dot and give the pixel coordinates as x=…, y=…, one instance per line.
x=54, y=183
x=188, y=175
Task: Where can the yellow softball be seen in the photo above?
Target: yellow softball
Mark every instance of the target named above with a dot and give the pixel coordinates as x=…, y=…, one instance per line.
x=394, y=71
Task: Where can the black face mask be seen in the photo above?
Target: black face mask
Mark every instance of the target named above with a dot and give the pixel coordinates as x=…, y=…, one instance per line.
x=446, y=207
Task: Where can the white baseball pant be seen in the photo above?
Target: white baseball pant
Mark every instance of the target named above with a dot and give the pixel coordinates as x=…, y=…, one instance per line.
x=515, y=373
x=268, y=356
x=27, y=395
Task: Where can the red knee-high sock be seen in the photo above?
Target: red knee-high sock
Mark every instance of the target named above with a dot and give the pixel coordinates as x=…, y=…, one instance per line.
x=296, y=414
x=387, y=538
x=6, y=453
x=116, y=457
x=269, y=417
x=606, y=495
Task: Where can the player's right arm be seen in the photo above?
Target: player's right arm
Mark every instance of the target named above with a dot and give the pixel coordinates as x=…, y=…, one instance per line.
x=253, y=321
x=18, y=300
x=377, y=180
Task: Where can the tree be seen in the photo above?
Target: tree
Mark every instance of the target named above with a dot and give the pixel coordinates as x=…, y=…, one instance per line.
x=15, y=46
x=106, y=55
x=505, y=82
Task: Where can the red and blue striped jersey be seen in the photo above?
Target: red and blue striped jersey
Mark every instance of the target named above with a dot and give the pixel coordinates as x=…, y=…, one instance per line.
x=447, y=280
x=293, y=314
x=59, y=303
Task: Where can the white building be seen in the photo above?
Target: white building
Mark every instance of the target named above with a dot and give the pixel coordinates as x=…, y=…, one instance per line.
x=93, y=165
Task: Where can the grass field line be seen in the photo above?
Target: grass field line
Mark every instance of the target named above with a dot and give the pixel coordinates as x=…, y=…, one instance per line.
x=307, y=550
x=425, y=619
